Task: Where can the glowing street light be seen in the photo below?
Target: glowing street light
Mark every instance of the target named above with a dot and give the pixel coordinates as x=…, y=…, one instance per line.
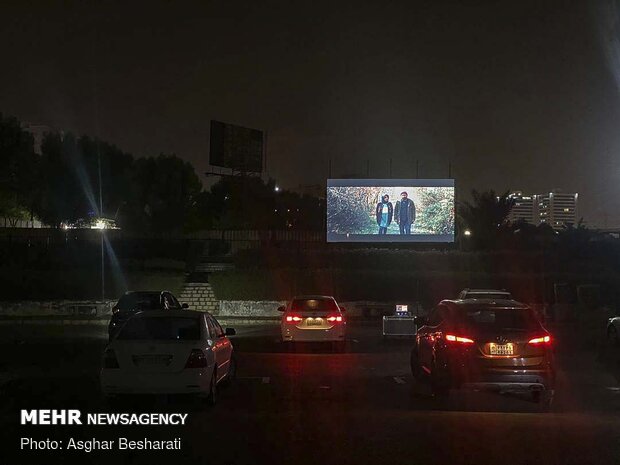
x=467, y=232
x=276, y=189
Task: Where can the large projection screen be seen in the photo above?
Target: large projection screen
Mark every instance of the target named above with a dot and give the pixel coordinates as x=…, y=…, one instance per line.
x=358, y=211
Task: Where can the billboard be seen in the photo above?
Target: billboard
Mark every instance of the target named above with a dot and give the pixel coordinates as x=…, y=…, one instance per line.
x=390, y=210
x=236, y=147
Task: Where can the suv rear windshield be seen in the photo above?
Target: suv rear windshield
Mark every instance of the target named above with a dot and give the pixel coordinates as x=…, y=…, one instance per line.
x=487, y=295
x=499, y=318
x=314, y=305
x=161, y=328
x=138, y=301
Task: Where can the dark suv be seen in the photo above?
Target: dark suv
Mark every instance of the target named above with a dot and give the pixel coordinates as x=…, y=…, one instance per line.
x=138, y=301
x=484, y=344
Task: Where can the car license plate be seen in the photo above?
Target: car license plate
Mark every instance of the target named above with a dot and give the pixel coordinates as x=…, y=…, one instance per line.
x=314, y=321
x=502, y=349
x=152, y=360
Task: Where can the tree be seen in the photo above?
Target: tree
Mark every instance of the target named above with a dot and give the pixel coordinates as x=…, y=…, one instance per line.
x=19, y=166
x=165, y=189
x=350, y=209
x=486, y=216
x=436, y=211
x=61, y=197
x=244, y=202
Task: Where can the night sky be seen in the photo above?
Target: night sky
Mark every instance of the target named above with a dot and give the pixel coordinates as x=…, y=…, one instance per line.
x=516, y=94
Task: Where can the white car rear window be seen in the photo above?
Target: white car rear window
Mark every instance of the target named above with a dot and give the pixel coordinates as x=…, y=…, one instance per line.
x=161, y=328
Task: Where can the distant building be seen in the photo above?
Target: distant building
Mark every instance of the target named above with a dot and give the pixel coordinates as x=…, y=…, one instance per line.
x=555, y=208
x=558, y=208
x=525, y=208
x=38, y=132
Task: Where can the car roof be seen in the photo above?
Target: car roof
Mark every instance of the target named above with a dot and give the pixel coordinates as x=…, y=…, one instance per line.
x=144, y=292
x=313, y=297
x=487, y=291
x=492, y=303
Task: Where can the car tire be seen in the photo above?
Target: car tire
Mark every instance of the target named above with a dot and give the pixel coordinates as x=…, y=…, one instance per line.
x=439, y=384
x=212, y=396
x=339, y=346
x=232, y=371
x=544, y=398
x=612, y=336
x=110, y=400
x=416, y=369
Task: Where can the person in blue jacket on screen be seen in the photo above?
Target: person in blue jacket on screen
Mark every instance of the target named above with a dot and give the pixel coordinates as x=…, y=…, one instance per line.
x=385, y=213
x=404, y=213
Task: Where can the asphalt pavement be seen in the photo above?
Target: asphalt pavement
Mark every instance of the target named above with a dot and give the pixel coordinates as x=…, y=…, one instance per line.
x=312, y=405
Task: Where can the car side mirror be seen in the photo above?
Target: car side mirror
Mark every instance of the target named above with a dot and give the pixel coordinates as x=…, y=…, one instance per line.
x=185, y=305
x=420, y=321
x=281, y=308
x=230, y=332
x=342, y=309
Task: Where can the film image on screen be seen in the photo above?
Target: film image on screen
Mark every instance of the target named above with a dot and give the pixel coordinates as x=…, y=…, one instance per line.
x=395, y=210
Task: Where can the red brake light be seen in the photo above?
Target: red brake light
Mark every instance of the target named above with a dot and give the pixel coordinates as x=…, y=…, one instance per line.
x=335, y=319
x=540, y=340
x=293, y=319
x=463, y=340
x=109, y=359
x=196, y=359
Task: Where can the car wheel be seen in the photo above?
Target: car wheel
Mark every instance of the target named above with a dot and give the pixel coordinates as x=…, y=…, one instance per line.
x=338, y=346
x=544, y=398
x=612, y=336
x=439, y=384
x=110, y=400
x=212, y=397
x=232, y=370
x=416, y=369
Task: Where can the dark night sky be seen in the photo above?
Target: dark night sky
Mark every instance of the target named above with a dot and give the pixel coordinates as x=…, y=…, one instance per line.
x=519, y=95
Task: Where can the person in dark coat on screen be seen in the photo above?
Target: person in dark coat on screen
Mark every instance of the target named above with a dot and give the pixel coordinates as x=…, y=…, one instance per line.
x=404, y=213
x=385, y=213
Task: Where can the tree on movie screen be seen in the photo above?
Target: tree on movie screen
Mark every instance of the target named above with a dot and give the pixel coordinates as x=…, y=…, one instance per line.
x=436, y=213
x=349, y=209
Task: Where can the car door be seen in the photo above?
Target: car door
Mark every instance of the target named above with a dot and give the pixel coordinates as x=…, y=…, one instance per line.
x=222, y=348
x=427, y=335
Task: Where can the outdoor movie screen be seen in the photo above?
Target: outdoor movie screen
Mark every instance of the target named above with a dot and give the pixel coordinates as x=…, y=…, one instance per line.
x=390, y=210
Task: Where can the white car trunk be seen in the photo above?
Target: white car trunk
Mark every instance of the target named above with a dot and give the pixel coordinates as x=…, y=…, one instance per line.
x=153, y=356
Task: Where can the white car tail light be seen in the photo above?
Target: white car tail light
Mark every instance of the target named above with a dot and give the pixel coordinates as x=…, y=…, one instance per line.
x=196, y=359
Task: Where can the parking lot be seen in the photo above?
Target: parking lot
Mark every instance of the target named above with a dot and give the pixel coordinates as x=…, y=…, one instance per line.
x=312, y=405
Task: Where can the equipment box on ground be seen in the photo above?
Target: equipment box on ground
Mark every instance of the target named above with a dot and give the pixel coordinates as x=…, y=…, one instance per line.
x=399, y=326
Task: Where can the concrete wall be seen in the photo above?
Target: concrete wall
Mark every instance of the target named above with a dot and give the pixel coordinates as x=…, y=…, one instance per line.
x=84, y=308
x=267, y=308
x=250, y=308
x=197, y=296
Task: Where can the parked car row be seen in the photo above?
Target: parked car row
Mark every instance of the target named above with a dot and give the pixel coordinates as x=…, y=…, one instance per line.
x=482, y=340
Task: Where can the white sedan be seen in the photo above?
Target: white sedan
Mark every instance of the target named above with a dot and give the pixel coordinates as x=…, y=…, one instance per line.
x=313, y=318
x=168, y=352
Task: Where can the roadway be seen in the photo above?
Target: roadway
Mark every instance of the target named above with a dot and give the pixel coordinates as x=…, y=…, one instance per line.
x=311, y=405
